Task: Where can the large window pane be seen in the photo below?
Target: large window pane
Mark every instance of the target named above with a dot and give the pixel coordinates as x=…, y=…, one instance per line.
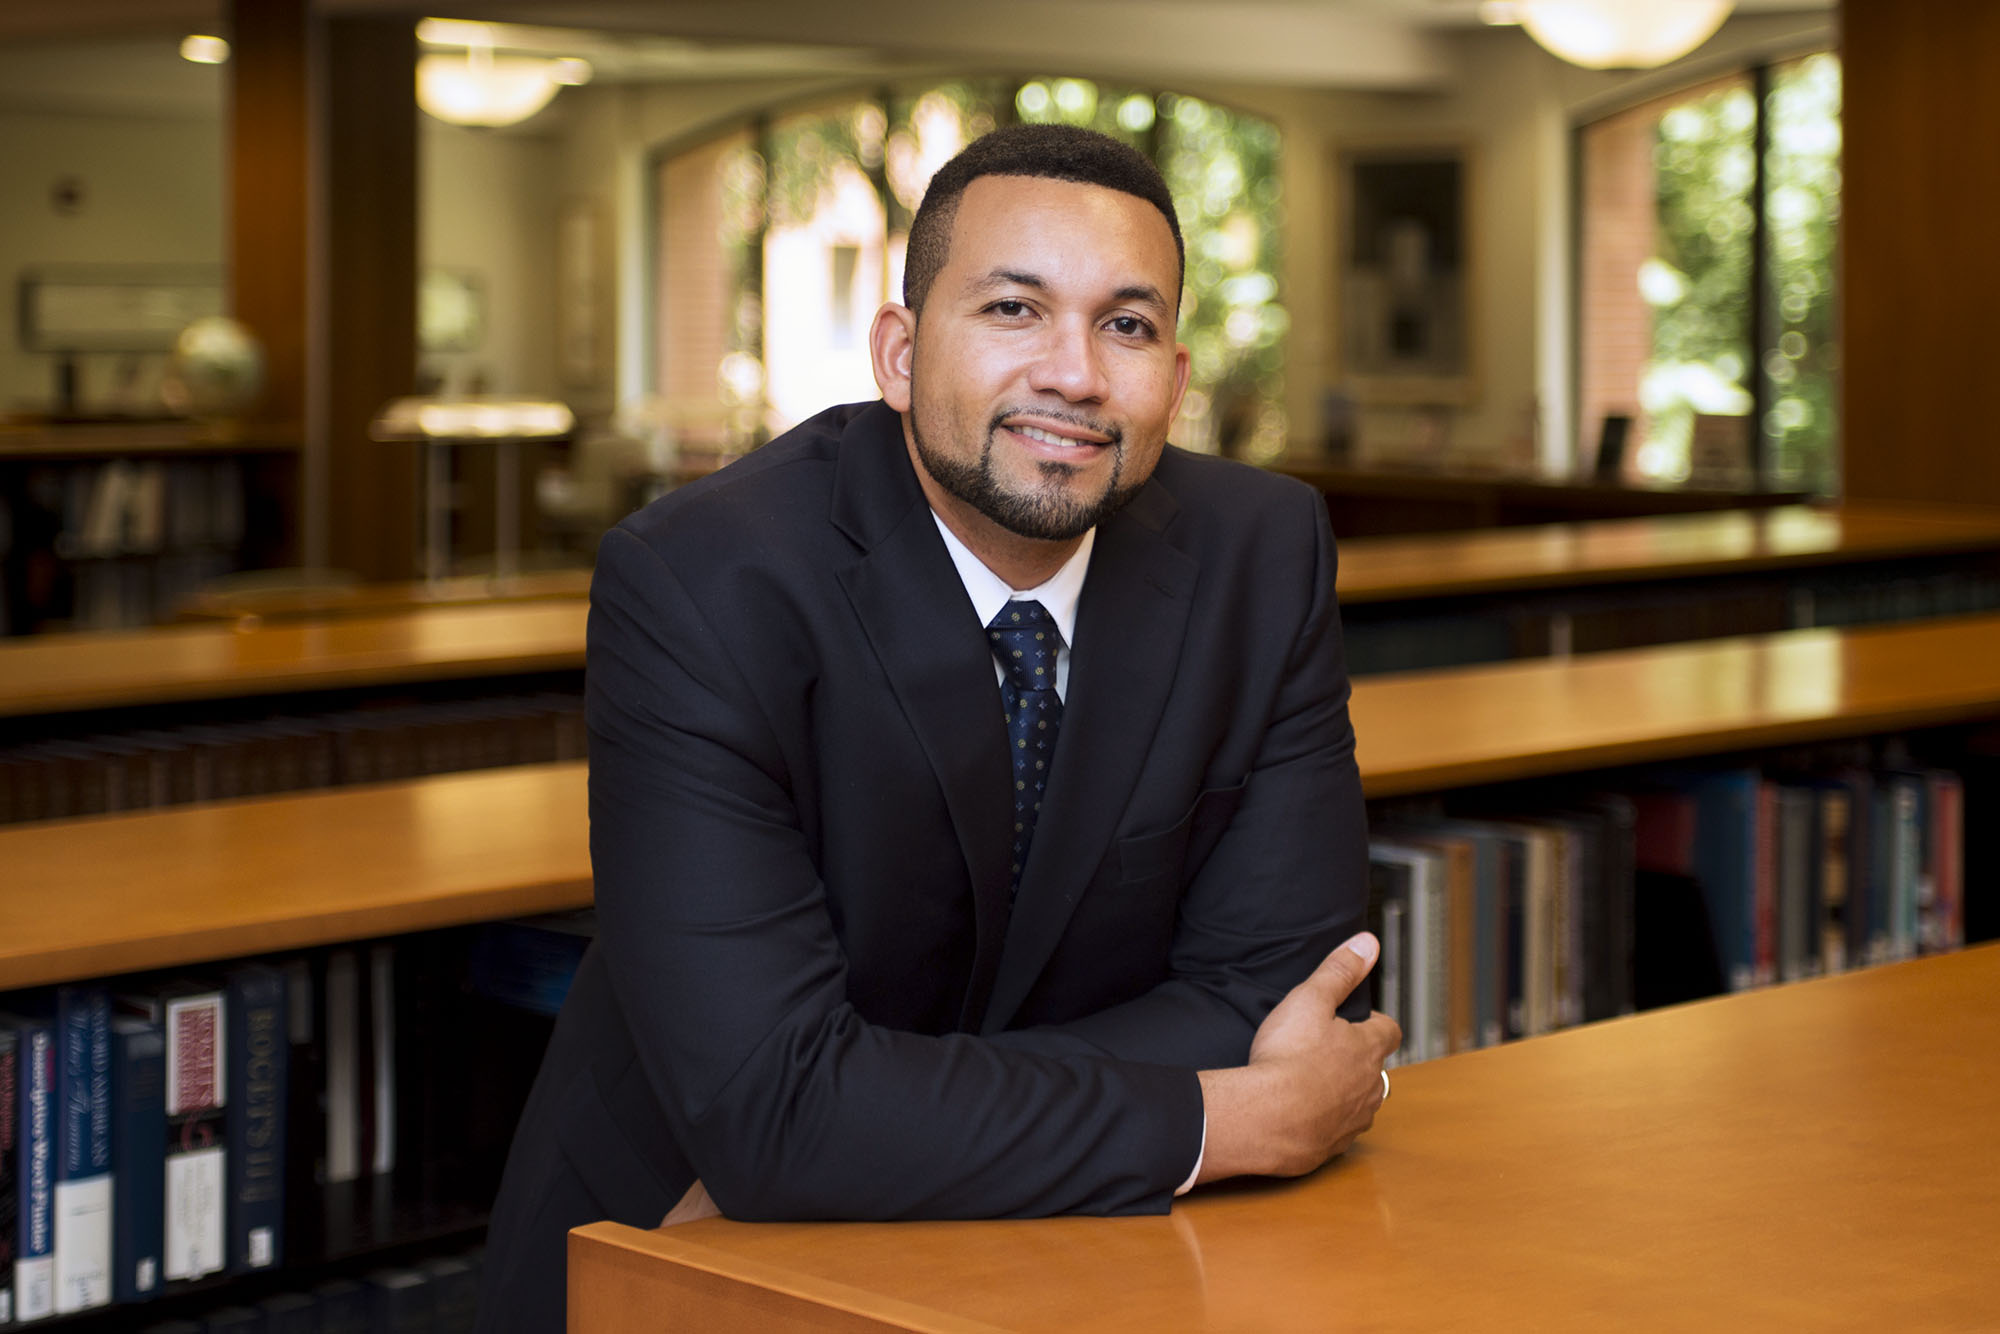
x=1801, y=214
x=778, y=243
x=1707, y=284
x=1668, y=246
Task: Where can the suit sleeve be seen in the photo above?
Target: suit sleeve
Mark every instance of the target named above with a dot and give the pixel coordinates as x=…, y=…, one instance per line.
x=1285, y=882
x=717, y=934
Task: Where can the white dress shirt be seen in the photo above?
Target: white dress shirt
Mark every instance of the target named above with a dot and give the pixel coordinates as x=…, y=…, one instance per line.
x=1059, y=595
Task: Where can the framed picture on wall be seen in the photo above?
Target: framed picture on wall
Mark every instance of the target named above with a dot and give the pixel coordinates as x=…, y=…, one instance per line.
x=1402, y=304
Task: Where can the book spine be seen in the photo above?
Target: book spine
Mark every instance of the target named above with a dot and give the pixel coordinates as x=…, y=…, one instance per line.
x=83, y=1150
x=1948, y=852
x=1764, y=888
x=34, y=1255
x=10, y=1200
x=196, y=1148
x=258, y=1048
x=138, y=1158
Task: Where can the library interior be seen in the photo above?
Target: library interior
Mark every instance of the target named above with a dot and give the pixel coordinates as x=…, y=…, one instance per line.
x=1637, y=364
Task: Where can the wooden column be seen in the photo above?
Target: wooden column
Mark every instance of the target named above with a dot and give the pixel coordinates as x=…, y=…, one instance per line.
x=268, y=84
x=1920, y=267
x=367, y=210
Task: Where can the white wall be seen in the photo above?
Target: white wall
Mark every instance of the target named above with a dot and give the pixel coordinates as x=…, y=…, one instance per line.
x=151, y=193
x=488, y=206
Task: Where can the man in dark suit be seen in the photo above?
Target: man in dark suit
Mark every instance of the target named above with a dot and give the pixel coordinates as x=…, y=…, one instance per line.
x=974, y=812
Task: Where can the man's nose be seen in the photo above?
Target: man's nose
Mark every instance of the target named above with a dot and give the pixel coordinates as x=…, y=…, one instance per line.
x=1071, y=363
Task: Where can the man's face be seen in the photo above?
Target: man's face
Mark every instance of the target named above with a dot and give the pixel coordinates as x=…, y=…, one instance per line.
x=1044, y=371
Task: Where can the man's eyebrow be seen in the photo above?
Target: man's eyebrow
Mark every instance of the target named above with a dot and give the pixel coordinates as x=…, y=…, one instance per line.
x=1144, y=293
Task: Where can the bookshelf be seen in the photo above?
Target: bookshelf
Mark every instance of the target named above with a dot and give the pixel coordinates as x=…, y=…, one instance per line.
x=58, y=673
x=1377, y=500
x=1810, y=1156
x=109, y=524
x=409, y=862
x=161, y=888
x=1448, y=599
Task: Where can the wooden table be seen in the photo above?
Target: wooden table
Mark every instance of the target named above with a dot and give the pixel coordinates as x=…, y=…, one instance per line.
x=1660, y=548
x=116, y=893
x=1815, y=1156
x=105, y=894
x=52, y=673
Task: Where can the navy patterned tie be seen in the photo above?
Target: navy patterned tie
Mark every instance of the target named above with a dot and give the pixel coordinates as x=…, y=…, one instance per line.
x=1025, y=640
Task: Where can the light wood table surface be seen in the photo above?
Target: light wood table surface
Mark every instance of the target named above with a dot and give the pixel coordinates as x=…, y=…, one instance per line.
x=377, y=599
x=118, y=893
x=378, y=638
x=1432, y=730
x=1815, y=1156
x=1657, y=548
x=109, y=893
x=51, y=673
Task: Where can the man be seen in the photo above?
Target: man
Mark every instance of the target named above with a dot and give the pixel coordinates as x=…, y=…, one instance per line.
x=891, y=925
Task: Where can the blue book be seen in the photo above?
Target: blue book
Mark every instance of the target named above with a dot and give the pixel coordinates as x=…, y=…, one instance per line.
x=35, y=1170
x=1725, y=862
x=10, y=1199
x=83, y=1149
x=259, y=1048
x=138, y=1158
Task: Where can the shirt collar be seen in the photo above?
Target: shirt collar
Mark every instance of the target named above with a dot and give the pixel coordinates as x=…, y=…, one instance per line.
x=989, y=592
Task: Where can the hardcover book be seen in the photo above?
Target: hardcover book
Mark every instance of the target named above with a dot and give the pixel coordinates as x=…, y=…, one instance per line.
x=138, y=1157
x=191, y=1016
x=83, y=1179
x=10, y=1202
x=35, y=1167
x=259, y=1048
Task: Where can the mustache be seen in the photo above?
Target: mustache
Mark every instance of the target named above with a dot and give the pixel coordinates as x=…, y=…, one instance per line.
x=1068, y=417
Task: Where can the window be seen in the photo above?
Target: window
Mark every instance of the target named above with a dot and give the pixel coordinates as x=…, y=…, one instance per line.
x=1707, y=280
x=776, y=243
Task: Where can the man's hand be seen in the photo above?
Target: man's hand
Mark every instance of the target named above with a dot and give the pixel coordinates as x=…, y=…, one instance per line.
x=1313, y=1081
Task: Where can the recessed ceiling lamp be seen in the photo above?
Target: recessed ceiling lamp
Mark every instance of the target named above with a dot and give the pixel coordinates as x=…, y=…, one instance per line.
x=1614, y=34
x=480, y=87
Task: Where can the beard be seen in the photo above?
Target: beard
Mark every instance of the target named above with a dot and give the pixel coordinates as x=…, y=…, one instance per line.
x=1045, y=508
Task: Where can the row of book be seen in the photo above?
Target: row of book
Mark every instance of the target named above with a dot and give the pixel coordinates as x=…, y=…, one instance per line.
x=435, y=1296
x=139, y=770
x=155, y=1132
x=1506, y=921
x=118, y=543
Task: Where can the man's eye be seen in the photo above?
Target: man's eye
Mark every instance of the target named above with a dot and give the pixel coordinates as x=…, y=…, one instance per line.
x=1130, y=326
x=1010, y=309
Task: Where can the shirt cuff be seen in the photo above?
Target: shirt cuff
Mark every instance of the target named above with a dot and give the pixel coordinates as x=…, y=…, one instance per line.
x=1188, y=1185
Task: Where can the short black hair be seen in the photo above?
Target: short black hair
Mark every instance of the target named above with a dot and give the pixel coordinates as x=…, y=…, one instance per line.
x=1053, y=152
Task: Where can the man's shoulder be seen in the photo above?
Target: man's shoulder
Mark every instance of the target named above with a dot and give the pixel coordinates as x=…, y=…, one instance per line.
x=779, y=493
x=1204, y=486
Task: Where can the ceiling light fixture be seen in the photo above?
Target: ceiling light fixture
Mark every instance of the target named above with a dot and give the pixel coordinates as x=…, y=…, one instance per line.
x=1621, y=34
x=481, y=87
x=203, y=49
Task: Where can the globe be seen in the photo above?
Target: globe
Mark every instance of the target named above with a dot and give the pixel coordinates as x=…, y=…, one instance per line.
x=216, y=371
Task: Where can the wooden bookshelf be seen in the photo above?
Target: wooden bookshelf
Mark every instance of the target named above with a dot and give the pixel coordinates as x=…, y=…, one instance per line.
x=1818, y=1155
x=121, y=893
x=386, y=599
x=55, y=673
x=1656, y=549
x=106, y=894
x=1374, y=500
x=49, y=441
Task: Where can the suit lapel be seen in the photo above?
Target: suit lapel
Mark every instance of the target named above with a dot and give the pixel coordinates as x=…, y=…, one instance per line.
x=913, y=609
x=1130, y=623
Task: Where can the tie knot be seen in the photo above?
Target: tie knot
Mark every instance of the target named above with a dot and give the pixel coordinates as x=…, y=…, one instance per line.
x=1025, y=640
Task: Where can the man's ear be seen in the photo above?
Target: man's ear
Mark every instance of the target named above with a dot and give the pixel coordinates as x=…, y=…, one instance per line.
x=892, y=345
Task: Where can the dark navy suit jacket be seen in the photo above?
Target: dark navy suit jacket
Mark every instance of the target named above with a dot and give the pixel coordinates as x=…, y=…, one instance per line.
x=810, y=989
